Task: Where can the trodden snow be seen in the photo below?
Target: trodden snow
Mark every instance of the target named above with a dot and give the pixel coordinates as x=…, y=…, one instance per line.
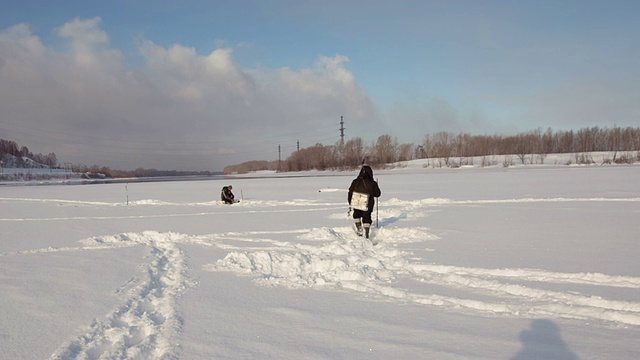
x=524, y=262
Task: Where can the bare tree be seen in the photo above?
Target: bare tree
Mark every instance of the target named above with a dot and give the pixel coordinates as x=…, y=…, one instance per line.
x=441, y=145
x=384, y=150
x=405, y=152
x=354, y=152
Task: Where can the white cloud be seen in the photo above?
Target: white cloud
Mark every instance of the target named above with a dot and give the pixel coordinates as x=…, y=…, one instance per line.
x=173, y=112
x=214, y=78
x=84, y=33
x=19, y=39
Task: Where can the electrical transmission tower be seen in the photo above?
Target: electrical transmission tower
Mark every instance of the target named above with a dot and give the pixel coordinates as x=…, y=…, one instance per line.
x=341, y=131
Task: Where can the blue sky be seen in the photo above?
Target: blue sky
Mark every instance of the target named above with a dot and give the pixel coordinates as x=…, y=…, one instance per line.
x=204, y=84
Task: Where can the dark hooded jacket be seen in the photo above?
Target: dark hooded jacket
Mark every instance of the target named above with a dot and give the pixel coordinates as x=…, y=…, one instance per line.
x=226, y=195
x=364, y=183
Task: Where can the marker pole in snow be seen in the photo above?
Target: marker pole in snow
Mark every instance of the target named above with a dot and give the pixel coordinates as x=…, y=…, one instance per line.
x=377, y=224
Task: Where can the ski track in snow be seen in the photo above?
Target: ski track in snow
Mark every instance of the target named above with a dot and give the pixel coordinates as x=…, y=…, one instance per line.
x=148, y=322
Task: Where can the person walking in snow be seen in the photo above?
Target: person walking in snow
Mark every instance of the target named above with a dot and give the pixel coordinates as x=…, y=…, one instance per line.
x=226, y=195
x=361, y=196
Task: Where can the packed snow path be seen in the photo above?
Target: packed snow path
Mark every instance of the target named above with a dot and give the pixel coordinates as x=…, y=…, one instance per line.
x=147, y=324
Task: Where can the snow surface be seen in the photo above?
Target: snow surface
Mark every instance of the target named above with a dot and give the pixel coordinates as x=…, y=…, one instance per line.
x=531, y=262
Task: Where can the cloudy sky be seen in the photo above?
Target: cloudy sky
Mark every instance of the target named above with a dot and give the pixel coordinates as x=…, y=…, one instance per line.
x=197, y=84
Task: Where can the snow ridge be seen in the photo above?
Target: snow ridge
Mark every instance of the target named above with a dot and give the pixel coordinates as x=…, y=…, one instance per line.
x=341, y=262
x=146, y=326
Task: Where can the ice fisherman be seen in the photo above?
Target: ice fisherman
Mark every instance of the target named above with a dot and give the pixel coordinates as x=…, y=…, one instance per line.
x=226, y=195
x=361, y=196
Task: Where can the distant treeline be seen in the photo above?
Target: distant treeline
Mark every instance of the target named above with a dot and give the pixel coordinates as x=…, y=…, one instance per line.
x=141, y=172
x=386, y=150
x=533, y=142
x=19, y=155
x=13, y=155
x=250, y=166
x=446, y=145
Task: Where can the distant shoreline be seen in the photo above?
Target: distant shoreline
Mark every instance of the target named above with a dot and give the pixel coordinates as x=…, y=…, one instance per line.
x=54, y=182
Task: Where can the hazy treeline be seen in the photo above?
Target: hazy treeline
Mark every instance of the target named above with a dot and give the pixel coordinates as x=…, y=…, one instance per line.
x=446, y=145
x=250, y=166
x=533, y=142
x=15, y=156
x=10, y=150
x=137, y=173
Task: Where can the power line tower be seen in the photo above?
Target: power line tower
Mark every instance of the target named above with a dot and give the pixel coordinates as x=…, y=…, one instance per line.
x=341, y=131
x=341, y=150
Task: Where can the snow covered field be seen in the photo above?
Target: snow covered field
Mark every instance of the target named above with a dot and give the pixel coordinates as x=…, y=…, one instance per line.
x=534, y=262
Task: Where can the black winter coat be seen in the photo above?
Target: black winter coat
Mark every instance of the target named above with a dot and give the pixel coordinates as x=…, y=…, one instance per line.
x=226, y=194
x=364, y=183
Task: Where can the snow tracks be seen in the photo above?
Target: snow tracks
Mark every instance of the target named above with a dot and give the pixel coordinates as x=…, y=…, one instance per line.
x=146, y=325
x=341, y=261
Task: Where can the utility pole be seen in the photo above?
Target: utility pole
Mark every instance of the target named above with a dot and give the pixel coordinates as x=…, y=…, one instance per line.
x=341, y=131
x=279, y=158
x=298, y=143
x=341, y=140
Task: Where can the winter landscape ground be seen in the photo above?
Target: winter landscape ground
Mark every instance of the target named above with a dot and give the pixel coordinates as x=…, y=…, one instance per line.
x=529, y=262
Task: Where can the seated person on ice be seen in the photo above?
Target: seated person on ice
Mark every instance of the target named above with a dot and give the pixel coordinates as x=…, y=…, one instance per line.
x=226, y=195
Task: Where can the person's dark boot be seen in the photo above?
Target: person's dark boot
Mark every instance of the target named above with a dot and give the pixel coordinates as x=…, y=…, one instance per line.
x=366, y=230
x=359, y=228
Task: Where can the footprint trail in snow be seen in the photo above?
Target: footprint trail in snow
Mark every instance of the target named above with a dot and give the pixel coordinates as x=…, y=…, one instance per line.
x=147, y=324
x=341, y=262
